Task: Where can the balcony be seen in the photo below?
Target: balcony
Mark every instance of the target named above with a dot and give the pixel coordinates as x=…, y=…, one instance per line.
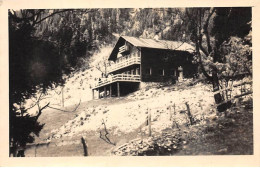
x=118, y=78
x=124, y=62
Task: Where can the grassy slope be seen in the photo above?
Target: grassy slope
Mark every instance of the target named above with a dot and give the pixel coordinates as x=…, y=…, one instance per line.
x=218, y=135
x=231, y=135
x=73, y=146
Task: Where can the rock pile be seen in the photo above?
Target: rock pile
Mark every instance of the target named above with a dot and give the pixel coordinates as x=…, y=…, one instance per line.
x=165, y=144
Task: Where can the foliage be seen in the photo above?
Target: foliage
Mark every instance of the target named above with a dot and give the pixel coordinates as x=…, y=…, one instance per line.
x=34, y=65
x=238, y=58
x=210, y=29
x=46, y=44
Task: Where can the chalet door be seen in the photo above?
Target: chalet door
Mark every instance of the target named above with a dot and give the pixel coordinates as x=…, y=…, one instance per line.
x=175, y=73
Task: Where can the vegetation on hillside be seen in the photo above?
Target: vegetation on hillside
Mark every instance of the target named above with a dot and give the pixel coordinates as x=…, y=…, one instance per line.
x=46, y=45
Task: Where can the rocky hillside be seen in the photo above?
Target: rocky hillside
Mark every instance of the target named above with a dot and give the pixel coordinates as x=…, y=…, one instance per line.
x=124, y=122
x=165, y=105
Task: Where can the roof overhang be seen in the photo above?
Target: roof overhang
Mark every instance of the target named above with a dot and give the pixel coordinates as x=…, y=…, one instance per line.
x=151, y=43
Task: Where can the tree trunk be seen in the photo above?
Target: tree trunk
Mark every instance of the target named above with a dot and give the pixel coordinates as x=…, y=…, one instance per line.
x=218, y=97
x=215, y=83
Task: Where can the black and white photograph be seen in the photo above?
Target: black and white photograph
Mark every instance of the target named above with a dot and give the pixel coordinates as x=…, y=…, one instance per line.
x=116, y=82
x=130, y=82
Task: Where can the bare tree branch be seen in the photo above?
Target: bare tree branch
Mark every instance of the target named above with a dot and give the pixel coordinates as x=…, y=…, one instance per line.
x=66, y=110
x=40, y=110
x=106, y=139
x=54, y=13
x=36, y=102
x=198, y=40
x=206, y=30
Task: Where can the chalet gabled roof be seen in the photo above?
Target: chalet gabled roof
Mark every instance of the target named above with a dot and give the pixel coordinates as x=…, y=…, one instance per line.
x=152, y=43
x=160, y=44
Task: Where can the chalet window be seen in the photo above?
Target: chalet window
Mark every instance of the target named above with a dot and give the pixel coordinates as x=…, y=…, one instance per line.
x=137, y=71
x=173, y=72
x=148, y=71
x=161, y=72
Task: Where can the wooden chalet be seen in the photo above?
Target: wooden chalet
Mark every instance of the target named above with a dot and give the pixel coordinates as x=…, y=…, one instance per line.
x=137, y=60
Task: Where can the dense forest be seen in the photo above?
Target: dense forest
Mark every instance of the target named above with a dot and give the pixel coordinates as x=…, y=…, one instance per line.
x=45, y=45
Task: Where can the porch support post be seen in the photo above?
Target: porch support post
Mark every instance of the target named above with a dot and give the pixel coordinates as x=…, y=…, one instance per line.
x=93, y=92
x=98, y=93
x=105, y=91
x=110, y=90
x=118, y=90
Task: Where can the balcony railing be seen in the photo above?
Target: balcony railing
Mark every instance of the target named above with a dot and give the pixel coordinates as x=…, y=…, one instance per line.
x=116, y=78
x=124, y=63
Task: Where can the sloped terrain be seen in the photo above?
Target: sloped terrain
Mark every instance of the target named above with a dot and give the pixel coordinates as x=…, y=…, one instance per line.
x=128, y=116
x=125, y=119
x=231, y=135
x=77, y=86
x=108, y=125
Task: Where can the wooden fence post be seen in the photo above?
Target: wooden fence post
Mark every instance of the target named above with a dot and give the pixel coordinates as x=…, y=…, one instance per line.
x=149, y=122
x=84, y=146
x=189, y=113
x=174, y=112
x=170, y=112
x=200, y=106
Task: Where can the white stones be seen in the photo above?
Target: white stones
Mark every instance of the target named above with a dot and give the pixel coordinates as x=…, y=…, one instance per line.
x=163, y=144
x=128, y=116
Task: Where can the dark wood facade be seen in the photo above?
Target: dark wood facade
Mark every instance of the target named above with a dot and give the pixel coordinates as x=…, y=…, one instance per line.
x=137, y=61
x=160, y=65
